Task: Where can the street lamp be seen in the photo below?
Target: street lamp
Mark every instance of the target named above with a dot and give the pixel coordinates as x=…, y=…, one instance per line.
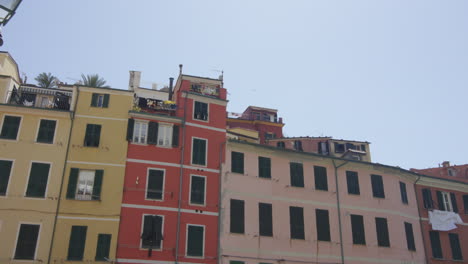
x=7, y=10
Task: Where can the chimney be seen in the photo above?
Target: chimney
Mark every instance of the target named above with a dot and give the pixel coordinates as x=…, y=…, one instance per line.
x=134, y=81
x=446, y=164
x=171, y=81
x=180, y=68
x=154, y=86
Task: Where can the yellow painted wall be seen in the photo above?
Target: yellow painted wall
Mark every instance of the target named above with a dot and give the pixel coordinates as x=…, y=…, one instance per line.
x=9, y=76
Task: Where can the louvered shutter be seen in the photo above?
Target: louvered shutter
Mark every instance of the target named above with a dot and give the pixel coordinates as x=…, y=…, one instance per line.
x=435, y=244
x=237, y=162
x=155, y=184
x=357, y=228
x=237, y=216
x=440, y=201
x=296, y=221
x=103, y=247
x=77, y=242
x=377, y=186
x=323, y=225
x=175, y=136
x=27, y=242
x=409, y=236
x=197, y=192
x=38, y=180
x=5, y=170
x=455, y=246
x=153, y=133
x=453, y=198
x=264, y=167
x=195, y=241
x=72, y=181
x=427, y=198
x=97, y=185
x=352, y=181
x=94, y=99
x=381, y=228
x=265, y=219
x=105, y=102
x=320, y=175
x=404, y=195
x=130, y=125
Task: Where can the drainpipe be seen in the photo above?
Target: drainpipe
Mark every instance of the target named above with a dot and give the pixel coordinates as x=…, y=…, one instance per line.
x=220, y=197
x=420, y=218
x=181, y=174
x=338, y=205
x=72, y=118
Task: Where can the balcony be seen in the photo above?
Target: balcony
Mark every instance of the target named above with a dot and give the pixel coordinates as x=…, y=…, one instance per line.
x=205, y=90
x=156, y=106
x=48, y=98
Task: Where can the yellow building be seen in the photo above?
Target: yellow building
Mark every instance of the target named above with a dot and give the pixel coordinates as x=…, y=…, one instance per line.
x=91, y=195
x=34, y=130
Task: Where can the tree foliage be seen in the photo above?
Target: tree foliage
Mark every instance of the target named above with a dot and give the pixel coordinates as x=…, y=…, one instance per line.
x=46, y=80
x=93, y=80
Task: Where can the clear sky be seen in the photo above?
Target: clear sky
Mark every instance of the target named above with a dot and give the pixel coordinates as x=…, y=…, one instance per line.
x=391, y=72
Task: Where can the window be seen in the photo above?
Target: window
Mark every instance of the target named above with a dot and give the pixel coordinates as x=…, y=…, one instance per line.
x=377, y=186
x=357, y=228
x=44, y=101
x=10, y=127
x=195, y=240
x=5, y=170
x=381, y=228
x=103, y=247
x=452, y=172
x=237, y=162
x=84, y=184
x=264, y=167
x=298, y=145
x=197, y=190
x=199, y=151
x=152, y=232
x=320, y=178
x=237, y=216
x=435, y=244
x=46, y=131
x=447, y=201
x=339, y=148
x=465, y=201
x=155, y=183
x=265, y=219
x=236, y=262
x=100, y=100
x=409, y=236
x=38, y=177
x=140, y=131
x=352, y=180
x=404, y=195
x=427, y=199
x=297, y=174
x=323, y=225
x=269, y=135
x=201, y=111
x=76, y=245
x=165, y=135
x=455, y=246
x=27, y=242
x=296, y=221
x=280, y=144
x=92, y=136
x=363, y=147
x=323, y=148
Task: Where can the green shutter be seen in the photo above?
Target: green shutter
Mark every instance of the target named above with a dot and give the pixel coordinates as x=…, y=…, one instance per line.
x=38, y=180
x=195, y=243
x=105, y=103
x=264, y=167
x=152, y=133
x=97, y=184
x=46, y=131
x=94, y=99
x=103, y=247
x=72, y=181
x=77, y=243
x=175, y=136
x=197, y=190
x=131, y=124
x=10, y=127
x=199, y=151
x=5, y=169
x=237, y=162
x=92, y=136
x=321, y=182
x=155, y=184
x=27, y=242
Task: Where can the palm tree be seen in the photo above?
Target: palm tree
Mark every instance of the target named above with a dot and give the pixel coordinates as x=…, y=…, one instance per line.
x=93, y=80
x=46, y=80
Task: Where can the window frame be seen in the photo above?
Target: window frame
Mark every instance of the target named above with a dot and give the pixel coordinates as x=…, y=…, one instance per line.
x=147, y=181
x=295, y=227
x=99, y=137
x=102, y=103
x=17, y=236
x=19, y=127
x=383, y=236
x=9, y=176
x=264, y=167
x=166, y=127
x=186, y=241
x=240, y=163
x=204, y=190
x=270, y=220
x=242, y=225
x=142, y=227
x=206, y=152
x=318, y=184
x=353, y=232
x=140, y=122
x=378, y=180
x=97, y=247
x=322, y=233
x=39, y=128
x=207, y=111
x=77, y=185
x=29, y=176
x=447, y=201
x=350, y=177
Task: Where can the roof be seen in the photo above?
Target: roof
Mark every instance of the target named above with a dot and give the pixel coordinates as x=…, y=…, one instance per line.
x=262, y=108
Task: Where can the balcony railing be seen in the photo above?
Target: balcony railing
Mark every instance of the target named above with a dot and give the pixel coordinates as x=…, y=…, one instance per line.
x=40, y=97
x=154, y=105
x=205, y=90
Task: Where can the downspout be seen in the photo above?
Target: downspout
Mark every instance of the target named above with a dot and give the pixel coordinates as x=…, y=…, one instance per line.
x=220, y=198
x=420, y=218
x=181, y=174
x=338, y=205
x=72, y=118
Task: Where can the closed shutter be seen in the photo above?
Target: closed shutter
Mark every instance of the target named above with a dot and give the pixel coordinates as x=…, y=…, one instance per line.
x=10, y=127
x=381, y=227
x=237, y=162
x=404, y=195
x=38, y=180
x=197, y=191
x=435, y=244
x=353, y=182
x=237, y=216
x=453, y=198
x=377, y=186
x=465, y=203
x=199, y=151
x=296, y=221
x=321, y=182
x=175, y=136
x=153, y=133
x=94, y=99
x=236, y=262
x=297, y=174
x=154, y=188
x=195, y=243
x=357, y=228
x=103, y=247
x=427, y=198
x=97, y=185
x=5, y=169
x=265, y=219
x=105, y=103
x=92, y=136
x=264, y=167
x=455, y=246
x=152, y=232
x=440, y=201
x=27, y=242
x=72, y=181
x=77, y=242
x=409, y=236
x=323, y=225
x=130, y=125
x=46, y=131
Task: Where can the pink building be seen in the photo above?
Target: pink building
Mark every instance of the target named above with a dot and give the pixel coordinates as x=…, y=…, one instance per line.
x=285, y=206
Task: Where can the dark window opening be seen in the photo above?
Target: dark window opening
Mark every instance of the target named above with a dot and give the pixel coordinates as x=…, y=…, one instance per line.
x=435, y=244
x=264, y=167
x=296, y=220
x=5, y=170
x=199, y=152
x=237, y=216
x=76, y=245
x=323, y=225
x=455, y=246
x=409, y=237
x=237, y=162
x=38, y=178
x=154, y=188
x=280, y=144
x=201, y=111
x=381, y=227
x=297, y=174
x=353, y=182
x=92, y=136
x=339, y=148
x=46, y=131
x=320, y=174
x=357, y=228
x=377, y=186
x=27, y=242
x=265, y=219
x=103, y=247
x=10, y=127
x=152, y=232
x=427, y=199
x=404, y=195
x=195, y=243
x=197, y=190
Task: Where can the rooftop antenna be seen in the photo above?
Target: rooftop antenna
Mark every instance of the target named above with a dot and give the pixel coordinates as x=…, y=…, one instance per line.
x=180, y=68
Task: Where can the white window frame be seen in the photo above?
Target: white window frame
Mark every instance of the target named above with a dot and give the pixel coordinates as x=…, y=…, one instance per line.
x=140, y=130
x=16, y=241
x=9, y=178
x=141, y=232
x=163, y=129
x=146, y=185
x=207, y=111
x=39, y=126
x=206, y=152
x=204, y=190
x=186, y=242
x=447, y=201
x=19, y=128
x=29, y=176
x=84, y=197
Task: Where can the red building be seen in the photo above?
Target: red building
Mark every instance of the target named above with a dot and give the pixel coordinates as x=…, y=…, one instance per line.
x=446, y=190
x=171, y=192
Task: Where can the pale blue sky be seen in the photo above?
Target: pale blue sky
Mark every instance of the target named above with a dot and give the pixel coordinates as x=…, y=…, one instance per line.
x=391, y=72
